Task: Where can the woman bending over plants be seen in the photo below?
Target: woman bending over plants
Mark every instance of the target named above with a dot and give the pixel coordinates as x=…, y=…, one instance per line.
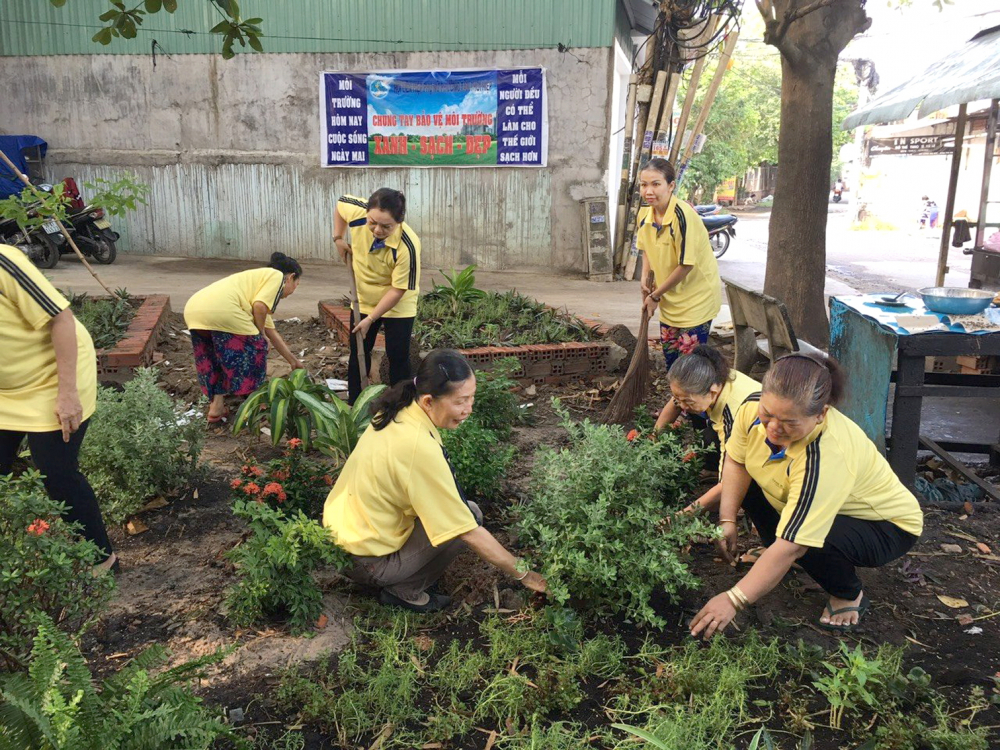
x=397, y=507
x=816, y=488
x=230, y=323
x=702, y=384
x=48, y=392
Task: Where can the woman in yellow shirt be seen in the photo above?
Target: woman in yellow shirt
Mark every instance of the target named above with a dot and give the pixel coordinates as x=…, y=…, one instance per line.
x=230, y=323
x=397, y=507
x=48, y=391
x=386, y=264
x=674, y=243
x=702, y=384
x=827, y=497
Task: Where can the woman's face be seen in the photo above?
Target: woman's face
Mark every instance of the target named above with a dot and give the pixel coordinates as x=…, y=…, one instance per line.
x=655, y=189
x=380, y=223
x=449, y=411
x=783, y=420
x=694, y=403
x=291, y=284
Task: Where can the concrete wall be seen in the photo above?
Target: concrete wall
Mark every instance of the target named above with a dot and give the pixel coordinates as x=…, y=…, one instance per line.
x=231, y=152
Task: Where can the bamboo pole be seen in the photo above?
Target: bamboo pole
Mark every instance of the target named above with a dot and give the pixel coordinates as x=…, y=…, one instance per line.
x=643, y=153
x=667, y=115
x=359, y=339
x=689, y=96
x=713, y=89
x=623, y=191
x=59, y=224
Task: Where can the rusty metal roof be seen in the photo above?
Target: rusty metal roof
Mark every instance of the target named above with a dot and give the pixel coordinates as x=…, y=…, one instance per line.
x=968, y=74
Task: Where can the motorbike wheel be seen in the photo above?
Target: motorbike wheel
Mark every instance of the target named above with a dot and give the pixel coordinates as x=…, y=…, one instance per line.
x=106, y=251
x=720, y=243
x=50, y=253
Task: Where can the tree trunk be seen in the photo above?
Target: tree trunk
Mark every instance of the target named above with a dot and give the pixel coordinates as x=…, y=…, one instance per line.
x=796, y=247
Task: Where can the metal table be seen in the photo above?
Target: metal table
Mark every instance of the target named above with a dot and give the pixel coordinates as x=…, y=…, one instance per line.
x=868, y=342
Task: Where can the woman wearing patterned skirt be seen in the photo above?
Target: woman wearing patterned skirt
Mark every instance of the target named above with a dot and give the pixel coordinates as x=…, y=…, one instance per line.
x=231, y=325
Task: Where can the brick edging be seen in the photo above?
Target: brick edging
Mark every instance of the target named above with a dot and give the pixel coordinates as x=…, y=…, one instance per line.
x=136, y=347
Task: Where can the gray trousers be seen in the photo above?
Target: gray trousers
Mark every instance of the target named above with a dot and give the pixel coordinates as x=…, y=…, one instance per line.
x=412, y=569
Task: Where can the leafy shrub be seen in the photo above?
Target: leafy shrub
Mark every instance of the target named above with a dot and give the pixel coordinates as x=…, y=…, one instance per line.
x=602, y=523
x=106, y=319
x=478, y=457
x=45, y=569
x=294, y=482
x=275, y=567
x=57, y=706
x=138, y=446
x=496, y=406
x=295, y=407
x=507, y=319
x=460, y=289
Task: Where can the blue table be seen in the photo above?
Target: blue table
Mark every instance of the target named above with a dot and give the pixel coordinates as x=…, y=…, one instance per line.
x=866, y=339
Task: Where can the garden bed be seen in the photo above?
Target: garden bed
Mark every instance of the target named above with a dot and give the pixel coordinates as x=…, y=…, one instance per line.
x=136, y=346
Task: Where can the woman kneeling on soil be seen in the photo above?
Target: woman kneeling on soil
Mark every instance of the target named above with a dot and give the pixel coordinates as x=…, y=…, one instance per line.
x=822, y=495
x=230, y=323
x=48, y=391
x=397, y=507
x=702, y=383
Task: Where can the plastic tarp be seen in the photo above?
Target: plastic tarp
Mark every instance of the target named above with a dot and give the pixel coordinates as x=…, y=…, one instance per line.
x=13, y=146
x=968, y=74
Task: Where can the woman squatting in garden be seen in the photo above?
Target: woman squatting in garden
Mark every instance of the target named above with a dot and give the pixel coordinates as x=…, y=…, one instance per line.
x=48, y=391
x=702, y=384
x=817, y=490
x=397, y=507
x=231, y=324
x=387, y=271
x=674, y=244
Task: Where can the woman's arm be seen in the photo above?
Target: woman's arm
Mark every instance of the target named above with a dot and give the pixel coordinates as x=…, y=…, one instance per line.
x=735, y=483
x=484, y=544
x=69, y=410
x=260, y=313
x=279, y=343
x=668, y=415
x=340, y=231
x=389, y=300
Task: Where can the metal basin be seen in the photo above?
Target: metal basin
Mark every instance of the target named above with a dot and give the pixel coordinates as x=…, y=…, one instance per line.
x=955, y=300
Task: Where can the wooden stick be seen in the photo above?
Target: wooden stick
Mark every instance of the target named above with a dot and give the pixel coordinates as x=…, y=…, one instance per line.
x=59, y=224
x=359, y=339
x=667, y=115
x=630, y=116
x=644, y=93
x=713, y=89
x=689, y=96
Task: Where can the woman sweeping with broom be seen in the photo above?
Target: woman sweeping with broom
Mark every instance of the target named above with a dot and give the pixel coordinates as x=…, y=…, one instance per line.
x=387, y=269
x=674, y=243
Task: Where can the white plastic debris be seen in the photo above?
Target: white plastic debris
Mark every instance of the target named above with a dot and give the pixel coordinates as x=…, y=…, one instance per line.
x=974, y=630
x=336, y=385
x=293, y=320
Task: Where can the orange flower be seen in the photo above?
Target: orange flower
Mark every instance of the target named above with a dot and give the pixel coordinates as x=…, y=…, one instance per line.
x=328, y=480
x=689, y=456
x=294, y=443
x=38, y=527
x=281, y=475
x=632, y=435
x=251, y=488
x=235, y=484
x=256, y=471
x=272, y=488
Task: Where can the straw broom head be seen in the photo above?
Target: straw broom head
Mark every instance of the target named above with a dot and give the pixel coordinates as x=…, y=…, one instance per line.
x=635, y=384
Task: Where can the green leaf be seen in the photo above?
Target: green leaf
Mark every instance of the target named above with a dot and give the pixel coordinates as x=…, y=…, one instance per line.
x=170, y=5
x=255, y=42
x=298, y=378
x=364, y=400
x=220, y=28
x=643, y=734
x=279, y=417
x=58, y=3
x=153, y=6
x=110, y=15
x=102, y=37
x=278, y=386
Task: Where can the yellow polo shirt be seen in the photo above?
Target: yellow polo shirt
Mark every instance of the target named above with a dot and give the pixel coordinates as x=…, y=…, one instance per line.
x=835, y=470
x=379, y=267
x=682, y=240
x=393, y=477
x=29, y=381
x=227, y=304
x=738, y=390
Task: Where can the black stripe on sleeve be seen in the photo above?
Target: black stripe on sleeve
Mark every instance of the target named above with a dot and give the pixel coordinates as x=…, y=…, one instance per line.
x=727, y=422
x=411, y=282
x=682, y=221
x=808, y=493
x=28, y=285
x=358, y=222
x=353, y=201
x=755, y=396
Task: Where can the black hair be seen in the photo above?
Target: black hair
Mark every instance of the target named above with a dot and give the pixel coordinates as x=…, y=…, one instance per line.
x=810, y=381
x=281, y=262
x=662, y=166
x=438, y=375
x=389, y=200
x=698, y=371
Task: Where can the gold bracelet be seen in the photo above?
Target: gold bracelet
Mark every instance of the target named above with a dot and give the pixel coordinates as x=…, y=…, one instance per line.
x=522, y=577
x=728, y=520
x=737, y=605
x=738, y=592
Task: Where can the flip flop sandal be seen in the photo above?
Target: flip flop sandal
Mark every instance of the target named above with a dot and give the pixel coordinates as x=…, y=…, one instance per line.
x=861, y=609
x=218, y=418
x=752, y=555
x=435, y=603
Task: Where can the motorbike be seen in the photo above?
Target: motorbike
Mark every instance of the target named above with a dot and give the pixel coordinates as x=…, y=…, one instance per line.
x=707, y=209
x=92, y=232
x=836, y=195
x=721, y=228
x=42, y=244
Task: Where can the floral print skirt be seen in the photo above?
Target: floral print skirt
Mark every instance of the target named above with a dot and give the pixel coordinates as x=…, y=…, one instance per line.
x=679, y=341
x=229, y=363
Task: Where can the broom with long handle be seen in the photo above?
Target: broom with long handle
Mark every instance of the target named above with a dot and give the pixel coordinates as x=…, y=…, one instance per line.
x=359, y=339
x=635, y=384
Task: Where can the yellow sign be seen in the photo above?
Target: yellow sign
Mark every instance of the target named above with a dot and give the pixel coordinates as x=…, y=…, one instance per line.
x=726, y=192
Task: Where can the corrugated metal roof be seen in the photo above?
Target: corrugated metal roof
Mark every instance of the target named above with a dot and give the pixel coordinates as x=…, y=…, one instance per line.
x=35, y=27
x=966, y=75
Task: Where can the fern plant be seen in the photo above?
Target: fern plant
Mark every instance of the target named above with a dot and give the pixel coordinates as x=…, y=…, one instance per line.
x=57, y=706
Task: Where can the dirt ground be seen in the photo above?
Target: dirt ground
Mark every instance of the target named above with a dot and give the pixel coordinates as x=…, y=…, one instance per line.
x=172, y=587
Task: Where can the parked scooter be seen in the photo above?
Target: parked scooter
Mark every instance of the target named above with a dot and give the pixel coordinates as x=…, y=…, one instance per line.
x=43, y=244
x=721, y=228
x=91, y=231
x=707, y=209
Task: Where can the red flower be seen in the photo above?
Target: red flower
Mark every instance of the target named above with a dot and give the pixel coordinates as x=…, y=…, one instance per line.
x=251, y=488
x=235, y=484
x=689, y=456
x=272, y=488
x=282, y=496
x=38, y=527
x=256, y=471
x=328, y=480
x=632, y=435
x=294, y=443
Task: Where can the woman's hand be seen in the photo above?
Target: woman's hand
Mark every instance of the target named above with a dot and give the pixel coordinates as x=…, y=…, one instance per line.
x=650, y=304
x=343, y=248
x=645, y=289
x=69, y=412
x=363, y=326
x=296, y=364
x=728, y=545
x=535, y=582
x=713, y=617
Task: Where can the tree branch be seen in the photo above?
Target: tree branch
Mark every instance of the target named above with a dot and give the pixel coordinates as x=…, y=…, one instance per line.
x=794, y=15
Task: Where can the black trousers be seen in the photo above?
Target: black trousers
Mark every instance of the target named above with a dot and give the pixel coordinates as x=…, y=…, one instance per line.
x=60, y=467
x=397, y=333
x=852, y=543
